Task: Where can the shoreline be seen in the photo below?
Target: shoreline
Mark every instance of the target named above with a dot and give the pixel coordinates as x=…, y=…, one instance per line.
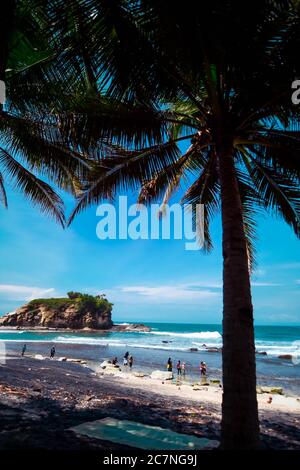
x=48, y=395
x=269, y=373
x=144, y=378
x=116, y=328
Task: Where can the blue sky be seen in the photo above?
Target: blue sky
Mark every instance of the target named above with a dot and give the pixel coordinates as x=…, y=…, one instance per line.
x=147, y=280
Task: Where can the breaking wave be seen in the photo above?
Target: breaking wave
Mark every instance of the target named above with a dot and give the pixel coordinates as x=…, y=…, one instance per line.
x=199, y=335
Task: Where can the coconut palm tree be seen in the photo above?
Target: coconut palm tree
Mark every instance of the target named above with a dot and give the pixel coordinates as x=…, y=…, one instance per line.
x=216, y=75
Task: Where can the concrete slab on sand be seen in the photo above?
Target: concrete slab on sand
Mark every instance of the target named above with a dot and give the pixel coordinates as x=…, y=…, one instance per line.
x=141, y=435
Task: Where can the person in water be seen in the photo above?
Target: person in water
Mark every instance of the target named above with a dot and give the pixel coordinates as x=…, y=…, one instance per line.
x=130, y=361
x=125, y=361
x=52, y=352
x=183, y=369
x=114, y=361
x=23, y=350
x=203, y=368
x=169, y=365
x=178, y=368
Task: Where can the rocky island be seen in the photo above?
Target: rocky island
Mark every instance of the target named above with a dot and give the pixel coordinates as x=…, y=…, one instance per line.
x=77, y=311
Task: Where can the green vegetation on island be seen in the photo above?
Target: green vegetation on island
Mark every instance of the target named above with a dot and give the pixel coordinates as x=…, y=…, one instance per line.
x=85, y=302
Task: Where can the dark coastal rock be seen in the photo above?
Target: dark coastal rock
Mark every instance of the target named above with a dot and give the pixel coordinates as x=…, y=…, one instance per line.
x=272, y=390
x=81, y=312
x=287, y=357
x=215, y=381
x=194, y=349
x=214, y=349
x=262, y=353
x=132, y=327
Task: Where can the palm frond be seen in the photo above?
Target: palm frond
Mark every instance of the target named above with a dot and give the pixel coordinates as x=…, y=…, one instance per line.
x=3, y=197
x=251, y=204
x=279, y=149
x=205, y=190
x=126, y=170
x=167, y=181
x=94, y=121
x=40, y=145
x=36, y=190
x=278, y=193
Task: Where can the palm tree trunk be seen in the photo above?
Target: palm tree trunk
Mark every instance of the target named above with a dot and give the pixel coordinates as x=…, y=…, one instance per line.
x=240, y=426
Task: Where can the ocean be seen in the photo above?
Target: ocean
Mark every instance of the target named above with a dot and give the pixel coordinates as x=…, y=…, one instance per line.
x=151, y=350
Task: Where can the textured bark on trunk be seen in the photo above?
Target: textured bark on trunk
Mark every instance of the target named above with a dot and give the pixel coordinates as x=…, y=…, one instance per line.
x=240, y=426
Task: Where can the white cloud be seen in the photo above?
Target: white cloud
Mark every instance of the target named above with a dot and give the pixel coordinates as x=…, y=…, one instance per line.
x=204, y=292
x=264, y=284
x=19, y=292
x=259, y=272
x=292, y=265
x=206, y=284
x=168, y=293
x=278, y=317
x=219, y=284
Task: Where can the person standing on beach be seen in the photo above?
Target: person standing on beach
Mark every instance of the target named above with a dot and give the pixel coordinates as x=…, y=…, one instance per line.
x=169, y=365
x=178, y=368
x=203, y=368
x=52, y=352
x=125, y=358
x=24, y=350
x=183, y=369
x=130, y=361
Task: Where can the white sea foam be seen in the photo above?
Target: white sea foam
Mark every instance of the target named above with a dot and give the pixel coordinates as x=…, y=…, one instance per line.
x=278, y=349
x=87, y=340
x=28, y=341
x=196, y=335
x=116, y=343
x=158, y=346
x=11, y=332
x=206, y=345
x=98, y=342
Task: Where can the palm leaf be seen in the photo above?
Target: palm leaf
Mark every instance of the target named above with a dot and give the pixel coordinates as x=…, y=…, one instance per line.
x=205, y=190
x=278, y=193
x=3, y=196
x=36, y=190
x=40, y=144
x=279, y=148
x=251, y=204
x=129, y=170
x=163, y=185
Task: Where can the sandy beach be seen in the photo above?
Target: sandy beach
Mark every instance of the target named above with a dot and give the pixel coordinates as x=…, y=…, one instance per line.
x=210, y=395
x=41, y=399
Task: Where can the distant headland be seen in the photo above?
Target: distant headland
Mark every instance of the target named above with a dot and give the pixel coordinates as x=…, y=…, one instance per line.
x=77, y=311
